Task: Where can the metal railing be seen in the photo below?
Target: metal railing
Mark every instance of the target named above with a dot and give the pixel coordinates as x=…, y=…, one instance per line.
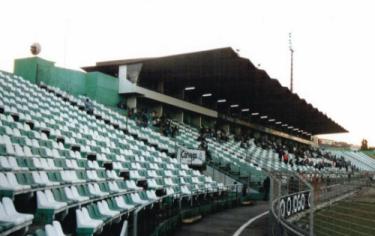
x=309, y=204
x=223, y=193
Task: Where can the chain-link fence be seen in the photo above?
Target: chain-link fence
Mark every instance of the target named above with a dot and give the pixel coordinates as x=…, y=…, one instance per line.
x=322, y=204
x=290, y=195
x=346, y=208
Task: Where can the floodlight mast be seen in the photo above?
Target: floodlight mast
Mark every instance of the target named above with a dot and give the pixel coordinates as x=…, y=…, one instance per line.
x=291, y=61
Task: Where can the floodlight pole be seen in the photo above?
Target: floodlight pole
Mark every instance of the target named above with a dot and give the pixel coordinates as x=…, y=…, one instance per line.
x=291, y=61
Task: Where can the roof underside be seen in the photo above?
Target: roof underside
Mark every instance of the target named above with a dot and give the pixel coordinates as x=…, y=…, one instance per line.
x=226, y=75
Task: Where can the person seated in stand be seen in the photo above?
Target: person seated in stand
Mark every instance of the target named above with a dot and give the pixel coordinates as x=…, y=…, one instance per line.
x=144, y=119
x=131, y=113
x=285, y=158
x=280, y=152
x=155, y=120
x=138, y=118
x=203, y=145
x=89, y=107
x=122, y=105
x=174, y=131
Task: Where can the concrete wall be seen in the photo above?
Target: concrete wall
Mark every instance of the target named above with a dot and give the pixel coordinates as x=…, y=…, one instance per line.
x=98, y=86
x=102, y=88
x=218, y=176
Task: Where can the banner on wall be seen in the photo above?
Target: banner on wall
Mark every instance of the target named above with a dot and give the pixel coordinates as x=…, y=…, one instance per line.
x=191, y=157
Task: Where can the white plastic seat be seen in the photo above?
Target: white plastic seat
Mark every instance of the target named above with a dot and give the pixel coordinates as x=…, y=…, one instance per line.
x=135, y=175
x=112, y=174
x=195, y=180
x=52, y=165
x=90, y=164
x=45, y=179
x=27, y=152
x=92, y=175
x=185, y=190
x=151, y=195
x=75, y=165
x=58, y=229
x=84, y=220
x=131, y=185
x=55, y=153
x=122, y=204
x=37, y=178
x=136, y=199
x=104, y=209
x=9, y=148
x=69, y=164
x=196, y=173
x=77, y=195
x=117, y=166
x=152, y=184
x=209, y=179
x=45, y=200
x=37, y=163
x=4, y=163
x=98, y=190
x=70, y=176
x=152, y=174
x=12, y=212
x=169, y=182
x=6, y=218
x=168, y=173
x=94, y=191
x=69, y=194
x=113, y=187
x=4, y=183
x=50, y=230
x=14, y=185
x=170, y=191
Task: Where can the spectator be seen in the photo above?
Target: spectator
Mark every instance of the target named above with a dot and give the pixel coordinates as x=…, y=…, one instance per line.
x=266, y=188
x=285, y=157
x=122, y=105
x=280, y=152
x=131, y=113
x=89, y=107
x=155, y=119
x=144, y=119
x=174, y=131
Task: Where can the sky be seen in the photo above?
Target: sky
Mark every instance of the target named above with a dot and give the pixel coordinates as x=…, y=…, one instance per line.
x=334, y=42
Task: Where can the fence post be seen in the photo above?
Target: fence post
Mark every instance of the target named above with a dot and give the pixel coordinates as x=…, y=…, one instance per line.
x=135, y=223
x=312, y=209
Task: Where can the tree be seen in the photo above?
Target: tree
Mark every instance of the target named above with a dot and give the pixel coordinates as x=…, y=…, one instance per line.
x=364, y=144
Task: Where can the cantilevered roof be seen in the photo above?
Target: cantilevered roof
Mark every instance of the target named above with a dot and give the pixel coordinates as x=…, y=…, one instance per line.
x=226, y=75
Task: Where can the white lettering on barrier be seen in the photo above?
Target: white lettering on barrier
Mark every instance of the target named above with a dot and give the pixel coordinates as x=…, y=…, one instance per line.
x=288, y=206
x=295, y=203
x=282, y=208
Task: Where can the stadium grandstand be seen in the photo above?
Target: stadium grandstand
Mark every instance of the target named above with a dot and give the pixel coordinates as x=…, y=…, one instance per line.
x=148, y=146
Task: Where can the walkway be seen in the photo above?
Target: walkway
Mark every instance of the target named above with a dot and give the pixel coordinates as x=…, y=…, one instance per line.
x=225, y=223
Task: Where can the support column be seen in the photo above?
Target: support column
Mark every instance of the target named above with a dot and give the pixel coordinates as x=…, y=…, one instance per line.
x=131, y=102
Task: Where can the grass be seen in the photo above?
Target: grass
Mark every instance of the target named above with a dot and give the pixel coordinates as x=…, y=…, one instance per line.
x=353, y=216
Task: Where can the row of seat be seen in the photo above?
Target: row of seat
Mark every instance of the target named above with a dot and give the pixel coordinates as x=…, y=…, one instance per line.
x=47, y=140
x=361, y=160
